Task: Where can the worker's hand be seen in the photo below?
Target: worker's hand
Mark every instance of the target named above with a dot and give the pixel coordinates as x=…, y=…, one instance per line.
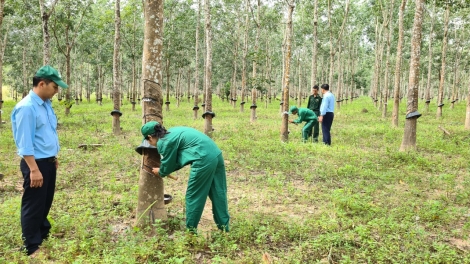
x=156, y=171
x=320, y=119
x=56, y=164
x=290, y=121
x=36, y=179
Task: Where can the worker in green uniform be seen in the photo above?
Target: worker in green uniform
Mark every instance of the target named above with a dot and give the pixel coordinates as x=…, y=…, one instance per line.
x=304, y=115
x=180, y=146
x=314, y=102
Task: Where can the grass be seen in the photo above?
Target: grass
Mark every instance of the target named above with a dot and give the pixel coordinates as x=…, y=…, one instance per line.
x=358, y=201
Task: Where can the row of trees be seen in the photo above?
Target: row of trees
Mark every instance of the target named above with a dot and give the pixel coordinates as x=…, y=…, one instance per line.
x=286, y=45
x=349, y=45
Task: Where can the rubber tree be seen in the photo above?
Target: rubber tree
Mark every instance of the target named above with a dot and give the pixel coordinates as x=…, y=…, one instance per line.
x=412, y=115
x=196, y=70
x=389, y=31
x=45, y=15
x=313, y=79
x=398, y=61
x=337, y=37
x=150, y=206
x=255, y=62
x=245, y=54
x=116, y=71
x=130, y=31
x=440, y=96
x=2, y=52
x=208, y=114
x=467, y=115
x=65, y=30
x=428, y=83
x=456, y=65
x=285, y=79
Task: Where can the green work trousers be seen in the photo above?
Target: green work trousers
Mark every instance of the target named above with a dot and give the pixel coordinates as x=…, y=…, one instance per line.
x=207, y=178
x=316, y=128
x=307, y=129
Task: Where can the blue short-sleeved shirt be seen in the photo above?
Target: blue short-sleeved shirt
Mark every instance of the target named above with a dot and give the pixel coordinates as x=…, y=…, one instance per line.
x=34, y=126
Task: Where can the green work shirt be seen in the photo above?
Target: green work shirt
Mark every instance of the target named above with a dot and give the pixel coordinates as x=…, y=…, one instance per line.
x=305, y=115
x=183, y=146
x=314, y=103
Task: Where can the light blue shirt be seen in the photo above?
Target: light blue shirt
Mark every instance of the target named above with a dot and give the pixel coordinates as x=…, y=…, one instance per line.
x=327, y=103
x=34, y=126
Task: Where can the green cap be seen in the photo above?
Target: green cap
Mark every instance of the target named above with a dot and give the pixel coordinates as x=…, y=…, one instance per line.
x=49, y=73
x=293, y=108
x=148, y=128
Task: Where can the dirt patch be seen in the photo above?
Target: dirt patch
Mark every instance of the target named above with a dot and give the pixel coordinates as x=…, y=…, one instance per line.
x=461, y=244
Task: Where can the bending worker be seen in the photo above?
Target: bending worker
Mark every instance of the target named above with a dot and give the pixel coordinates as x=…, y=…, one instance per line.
x=304, y=115
x=180, y=146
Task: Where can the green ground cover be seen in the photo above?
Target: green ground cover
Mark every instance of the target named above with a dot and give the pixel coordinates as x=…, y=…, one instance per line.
x=358, y=201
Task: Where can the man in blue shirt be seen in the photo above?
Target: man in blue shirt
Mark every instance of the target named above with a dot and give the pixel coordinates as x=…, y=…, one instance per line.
x=34, y=127
x=326, y=117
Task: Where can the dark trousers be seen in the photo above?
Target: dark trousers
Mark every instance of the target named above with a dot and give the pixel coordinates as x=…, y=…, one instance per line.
x=35, y=205
x=326, y=127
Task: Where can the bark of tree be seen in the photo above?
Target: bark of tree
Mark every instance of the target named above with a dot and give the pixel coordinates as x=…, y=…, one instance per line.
x=338, y=37
x=255, y=62
x=245, y=52
x=208, y=76
x=313, y=79
x=196, y=71
x=285, y=82
x=467, y=115
x=151, y=200
x=45, y=28
x=116, y=70
x=455, y=83
x=409, y=136
x=387, y=62
x=428, y=84
x=167, y=68
x=2, y=50
x=396, y=93
x=69, y=43
x=440, y=98
x=339, y=91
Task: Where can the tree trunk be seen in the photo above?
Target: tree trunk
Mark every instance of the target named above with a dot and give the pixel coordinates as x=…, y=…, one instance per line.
x=2, y=50
x=467, y=115
x=255, y=62
x=440, y=98
x=396, y=93
x=45, y=29
x=116, y=71
x=151, y=204
x=387, y=62
x=287, y=58
x=208, y=115
x=455, y=83
x=245, y=52
x=338, y=85
x=196, y=71
x=313, y=80
x=189, y=85
x=409, y=137
x=428, y=84
x=167, y=103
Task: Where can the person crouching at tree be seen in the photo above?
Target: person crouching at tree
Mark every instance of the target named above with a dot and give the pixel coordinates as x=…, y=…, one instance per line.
x=180, y=146
x=304, y=115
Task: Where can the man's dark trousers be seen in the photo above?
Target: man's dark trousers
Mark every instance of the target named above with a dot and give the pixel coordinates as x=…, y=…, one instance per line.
x=36, y=203
x=326, y=126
